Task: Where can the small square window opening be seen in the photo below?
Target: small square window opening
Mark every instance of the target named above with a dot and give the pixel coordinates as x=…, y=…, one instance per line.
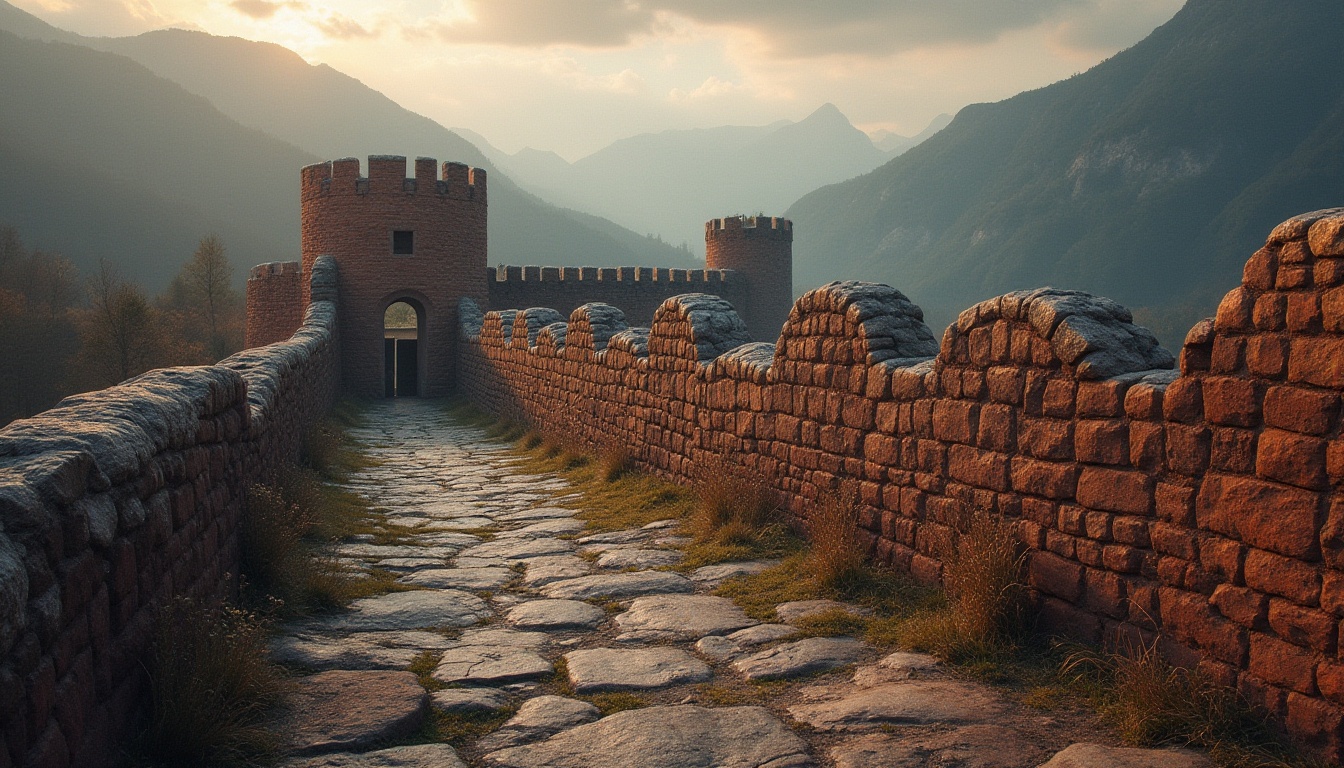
x=403, y=242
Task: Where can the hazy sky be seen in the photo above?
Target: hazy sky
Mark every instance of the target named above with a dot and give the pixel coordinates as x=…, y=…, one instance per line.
x=573, y=75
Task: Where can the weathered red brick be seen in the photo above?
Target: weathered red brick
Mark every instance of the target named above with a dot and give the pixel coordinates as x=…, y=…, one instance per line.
x=1275, y=517
x=1046, y=438
x=982, y=469
x=1305, y=627
x=997, y=431
x=955, y=421
x=1055, y=576
x=1281, y=663
x=1292, y=458
x=1102, y=442
x=1231, y=401
x=1283, y=576
x=1301, y=410
x=1043, y=478
x=1317, y=360
x=1115, y=490
x=1246, y=607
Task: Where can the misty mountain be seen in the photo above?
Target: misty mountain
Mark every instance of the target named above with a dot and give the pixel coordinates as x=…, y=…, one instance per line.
x=1150, y=178
x=105, y=160
x=671, y=183
x=894, y=144
x=329, y=114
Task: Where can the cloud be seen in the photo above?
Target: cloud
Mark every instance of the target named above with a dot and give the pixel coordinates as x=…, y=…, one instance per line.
x=713, y=86
x=1104, y=25
x=338, y=27
x=531, y=23
x=257, y=9
x=807, y=28
x=781, y=28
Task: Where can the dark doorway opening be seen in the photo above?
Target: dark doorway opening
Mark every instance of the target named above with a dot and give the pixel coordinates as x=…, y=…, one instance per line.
x=401, y=351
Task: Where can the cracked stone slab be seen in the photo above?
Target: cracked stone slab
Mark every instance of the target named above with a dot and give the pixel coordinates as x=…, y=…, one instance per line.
x=545, y=570
x=381, y=551
x=667, y=737
x=973, y=746
x=629, y=669
x=713, y=575
x=556, y=614
x=619, y=585
x=490, y=665
x=618, y=559
x=684, y=616
x=537, y=513
x=616, y=537
x=896, y=666
x=802, y=609
x=419, y=756
x=804, y=657
x=556, y=527
x=417, y=609
x=365, y=650
x=913, y=702
x=519, y=549
x=348, y=710
x=1098, y=756
x=460, y=578
x=411, y=563
x=538, y=718
x=468, y=700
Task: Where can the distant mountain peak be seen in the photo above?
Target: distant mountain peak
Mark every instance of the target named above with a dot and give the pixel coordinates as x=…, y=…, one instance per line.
x=827, y=113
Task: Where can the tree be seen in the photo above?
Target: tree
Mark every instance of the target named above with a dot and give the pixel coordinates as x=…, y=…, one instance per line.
x=203, y=293
x=121, y=333
x=38, y=340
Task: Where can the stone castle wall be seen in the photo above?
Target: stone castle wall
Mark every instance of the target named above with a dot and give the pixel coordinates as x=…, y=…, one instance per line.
x=1199, y=508
x=638, y=291
x=113, y=503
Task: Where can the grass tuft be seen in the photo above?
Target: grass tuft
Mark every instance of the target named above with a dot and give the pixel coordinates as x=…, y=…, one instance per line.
x=837, y=555
x=614, y=462
x=1152, y=703
x=985, y=613
x=615, y=701
x=212, y=688
x=733, y=506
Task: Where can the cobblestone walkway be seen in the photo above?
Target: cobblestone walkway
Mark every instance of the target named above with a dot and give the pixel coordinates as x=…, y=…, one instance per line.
x=527, y=614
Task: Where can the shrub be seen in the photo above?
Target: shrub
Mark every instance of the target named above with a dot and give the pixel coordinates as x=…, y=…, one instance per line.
x=986, y=600
x=837, y=555
x=211, y=686
x=1151, y=703
x=983, y=578
x=613, y=462
x=733, y=505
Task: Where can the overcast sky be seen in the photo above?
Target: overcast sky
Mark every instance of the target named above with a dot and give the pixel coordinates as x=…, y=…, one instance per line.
x=574, y=75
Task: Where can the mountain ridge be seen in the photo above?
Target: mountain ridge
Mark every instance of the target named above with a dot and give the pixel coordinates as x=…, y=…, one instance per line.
x=1103, y=180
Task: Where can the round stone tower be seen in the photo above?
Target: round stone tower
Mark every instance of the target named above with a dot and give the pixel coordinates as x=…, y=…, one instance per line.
x=760, y=250
x=418, y=240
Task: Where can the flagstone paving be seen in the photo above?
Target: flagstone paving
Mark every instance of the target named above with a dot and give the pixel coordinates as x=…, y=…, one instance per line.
x=518, y=610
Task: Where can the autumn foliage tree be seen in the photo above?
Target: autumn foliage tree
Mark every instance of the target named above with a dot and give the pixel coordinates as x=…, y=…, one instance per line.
x=60, y=334
x=208, y=309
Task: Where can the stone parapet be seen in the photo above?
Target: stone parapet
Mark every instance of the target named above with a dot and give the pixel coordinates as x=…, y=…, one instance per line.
x=1199, y=509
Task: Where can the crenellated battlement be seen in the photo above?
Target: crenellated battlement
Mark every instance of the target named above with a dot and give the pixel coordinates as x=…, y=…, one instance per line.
x=387, y=175
x=587, y=276
x=274, y=269
x=762, y=227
